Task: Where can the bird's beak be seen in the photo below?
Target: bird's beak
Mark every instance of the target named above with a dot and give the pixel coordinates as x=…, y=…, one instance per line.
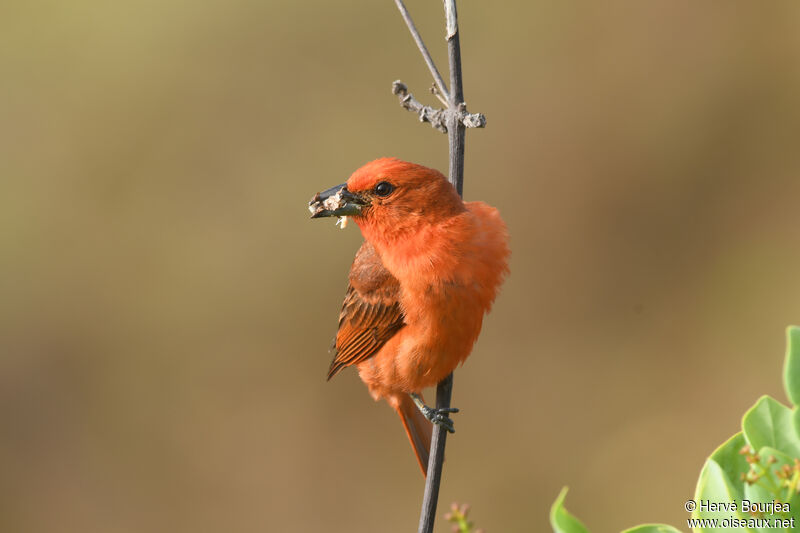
x=336, y=202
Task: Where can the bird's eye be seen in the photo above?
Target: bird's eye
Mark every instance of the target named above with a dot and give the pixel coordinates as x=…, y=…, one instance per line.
x=384, y=188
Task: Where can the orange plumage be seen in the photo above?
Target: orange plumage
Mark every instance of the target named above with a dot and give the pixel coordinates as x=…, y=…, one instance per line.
x=429, y=269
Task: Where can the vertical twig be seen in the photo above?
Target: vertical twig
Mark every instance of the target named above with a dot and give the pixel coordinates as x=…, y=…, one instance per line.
x=436, y=460
x=455, y=128
x=455, y=134
x=454, y=120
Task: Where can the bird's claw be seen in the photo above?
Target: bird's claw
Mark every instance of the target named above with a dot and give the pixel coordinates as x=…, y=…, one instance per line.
x=440, y=417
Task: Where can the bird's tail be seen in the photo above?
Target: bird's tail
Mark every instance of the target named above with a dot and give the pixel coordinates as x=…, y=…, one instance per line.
x=418, y=428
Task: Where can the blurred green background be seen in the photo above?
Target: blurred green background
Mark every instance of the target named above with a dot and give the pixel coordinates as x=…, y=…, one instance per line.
x=166, y=305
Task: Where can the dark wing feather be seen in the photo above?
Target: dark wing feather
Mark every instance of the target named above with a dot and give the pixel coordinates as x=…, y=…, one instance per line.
x=371, y=313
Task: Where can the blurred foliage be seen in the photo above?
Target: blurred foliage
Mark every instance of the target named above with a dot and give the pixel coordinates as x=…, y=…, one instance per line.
x=735, y=473
x=458, y=515
x=166, y=306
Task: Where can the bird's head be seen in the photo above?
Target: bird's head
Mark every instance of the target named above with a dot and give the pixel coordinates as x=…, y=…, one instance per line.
x=390, y=196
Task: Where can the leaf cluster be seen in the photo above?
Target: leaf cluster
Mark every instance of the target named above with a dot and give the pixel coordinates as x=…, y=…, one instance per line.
x=760, y=464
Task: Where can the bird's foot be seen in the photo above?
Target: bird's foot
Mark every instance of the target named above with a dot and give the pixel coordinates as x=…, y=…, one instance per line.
x=438, y=416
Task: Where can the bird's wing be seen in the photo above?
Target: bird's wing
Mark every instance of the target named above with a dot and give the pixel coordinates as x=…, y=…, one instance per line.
x=371, y=313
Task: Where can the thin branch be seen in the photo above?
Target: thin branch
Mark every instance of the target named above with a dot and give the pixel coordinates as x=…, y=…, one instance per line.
x=421, y=45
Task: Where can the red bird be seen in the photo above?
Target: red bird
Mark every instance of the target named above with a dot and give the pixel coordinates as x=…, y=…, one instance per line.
x=428, y=270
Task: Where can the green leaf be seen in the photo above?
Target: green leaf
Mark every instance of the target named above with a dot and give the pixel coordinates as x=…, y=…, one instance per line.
x=652, y=528
x=719, y=481
x=796, y=420
x=732, y=463
x=561, y=520
x=791, y=367
x=769, y=423
x=715, y=486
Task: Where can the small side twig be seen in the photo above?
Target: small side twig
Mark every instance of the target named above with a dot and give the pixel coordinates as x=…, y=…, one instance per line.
x=438, y=118
x=439, y=96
